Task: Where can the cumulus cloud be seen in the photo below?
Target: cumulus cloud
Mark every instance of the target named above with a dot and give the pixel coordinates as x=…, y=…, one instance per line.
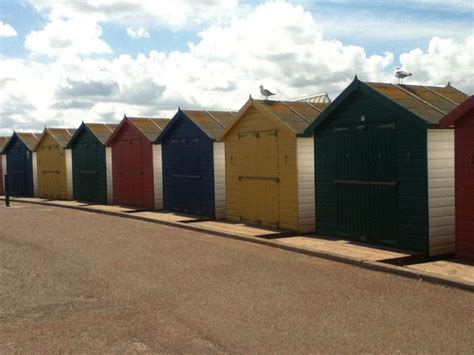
x=137, y=32
x=219, y=71
x=175, y=14
x=67, y=37
x=7, y=30
x=445, y=60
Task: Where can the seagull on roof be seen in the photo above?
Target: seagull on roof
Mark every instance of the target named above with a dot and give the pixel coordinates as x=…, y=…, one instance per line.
x=401, y=74
x=265, y=92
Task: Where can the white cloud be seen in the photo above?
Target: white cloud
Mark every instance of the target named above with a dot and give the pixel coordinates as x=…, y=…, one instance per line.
x=175, y=14
x=137, y=32
x=67, y=37
x=7, y=30
x=228, y=63
x=445, y=60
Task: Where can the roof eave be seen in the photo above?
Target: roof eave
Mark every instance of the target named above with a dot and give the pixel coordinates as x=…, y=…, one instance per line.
x=168, y=127
x=352, y=87
x=458, y=112
x=236, y=118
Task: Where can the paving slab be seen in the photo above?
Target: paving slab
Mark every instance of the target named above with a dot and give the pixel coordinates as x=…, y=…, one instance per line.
x=461, y=269
x=238, y=228
x=344, y=248
x=166, y=216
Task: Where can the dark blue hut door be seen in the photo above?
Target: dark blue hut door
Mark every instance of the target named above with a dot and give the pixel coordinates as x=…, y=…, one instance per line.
x=186, y=175
x=366, y=182
x=17, y=175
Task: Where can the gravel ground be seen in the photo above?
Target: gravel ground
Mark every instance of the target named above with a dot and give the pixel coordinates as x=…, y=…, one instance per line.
x=72, y=281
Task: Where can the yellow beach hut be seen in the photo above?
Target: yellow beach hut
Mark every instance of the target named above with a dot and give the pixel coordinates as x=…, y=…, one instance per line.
x=270, y=165
x=52, y=163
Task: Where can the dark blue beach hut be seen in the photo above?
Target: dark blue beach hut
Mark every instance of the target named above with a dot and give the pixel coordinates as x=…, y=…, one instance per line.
x=194, y=163
x=21, y=163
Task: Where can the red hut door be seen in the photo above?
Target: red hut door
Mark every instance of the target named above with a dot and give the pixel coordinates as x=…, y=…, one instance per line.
x=131, y=172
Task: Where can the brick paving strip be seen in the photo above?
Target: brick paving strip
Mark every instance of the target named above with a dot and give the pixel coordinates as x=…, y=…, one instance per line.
x=453, y=273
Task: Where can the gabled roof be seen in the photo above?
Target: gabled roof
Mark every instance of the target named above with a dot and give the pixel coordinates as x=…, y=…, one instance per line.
x=28, y=139
x=294, y=115
x=428, y=103
x=102, y=131
x=151, y=128
x=3, y=143
x=458, y=113
x=210, y=122
x=60, y=135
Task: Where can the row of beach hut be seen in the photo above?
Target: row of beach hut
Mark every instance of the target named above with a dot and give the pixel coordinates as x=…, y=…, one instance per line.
x=372, y=166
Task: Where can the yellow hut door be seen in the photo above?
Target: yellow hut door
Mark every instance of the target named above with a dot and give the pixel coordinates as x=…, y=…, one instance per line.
x=51, y=171
x=259, y=178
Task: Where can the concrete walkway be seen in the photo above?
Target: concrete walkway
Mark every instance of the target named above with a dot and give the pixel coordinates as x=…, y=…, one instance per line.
x=449, y=271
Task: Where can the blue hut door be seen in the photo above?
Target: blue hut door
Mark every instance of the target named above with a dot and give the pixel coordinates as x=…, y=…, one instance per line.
x=186, y=175
x=17, y=175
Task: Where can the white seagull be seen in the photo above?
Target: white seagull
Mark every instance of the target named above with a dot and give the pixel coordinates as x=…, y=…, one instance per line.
x=401, y=74
x=265, y=92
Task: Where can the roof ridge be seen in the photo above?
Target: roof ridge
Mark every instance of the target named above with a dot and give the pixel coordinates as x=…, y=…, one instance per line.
x=215, y=119
x=310, y=104
x=419, y=98
x=291, y=109
x=440, y=95
x=107, y=126
x=152, y=121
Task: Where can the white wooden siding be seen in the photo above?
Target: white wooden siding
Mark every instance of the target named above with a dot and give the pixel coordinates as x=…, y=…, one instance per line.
x=34, y=164
x=158, y=176
x=306, y=186
x=441, y=191
x=3, y=161
x=108, y=174
x=219, y=180
x=68, y=156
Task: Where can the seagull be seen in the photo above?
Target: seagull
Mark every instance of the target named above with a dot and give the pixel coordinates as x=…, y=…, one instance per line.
x=401, y=74
x=265, y=92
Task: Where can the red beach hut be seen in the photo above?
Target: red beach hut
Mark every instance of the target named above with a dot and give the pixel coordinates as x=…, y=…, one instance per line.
x=462, y=118
x=136, y=163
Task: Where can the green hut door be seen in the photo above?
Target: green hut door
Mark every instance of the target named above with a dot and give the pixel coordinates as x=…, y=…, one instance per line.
x=88, y=172
x=366, y=182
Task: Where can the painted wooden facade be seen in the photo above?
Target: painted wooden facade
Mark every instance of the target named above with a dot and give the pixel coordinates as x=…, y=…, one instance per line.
x=136, y=163
x=89, y=169
x=19, y=162
x=270, y=165
x=54, y=164
x=462, y=118
x=3, y=143
x=194, y=163
x=385, y=171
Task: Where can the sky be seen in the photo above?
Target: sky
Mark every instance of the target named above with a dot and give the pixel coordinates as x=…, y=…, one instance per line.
x=67, y=61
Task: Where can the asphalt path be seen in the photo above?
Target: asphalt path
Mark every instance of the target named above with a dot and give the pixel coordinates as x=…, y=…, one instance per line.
x=73, y=281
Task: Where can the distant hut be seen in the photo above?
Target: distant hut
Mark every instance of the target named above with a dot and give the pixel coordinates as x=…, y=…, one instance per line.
x=270, y=165
x=193, y=163
x=90, y=168
x=136, y=162
x=19, y=163
x=54, y=164
x=462, y=118
x=384, y=169
x=3, y=163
